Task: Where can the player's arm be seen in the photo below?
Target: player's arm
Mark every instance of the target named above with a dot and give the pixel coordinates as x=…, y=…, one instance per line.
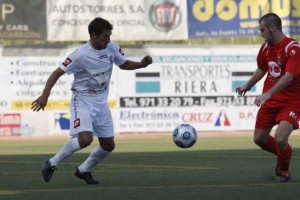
x=131, y=65
x=285, y=80
x=257, y=76
x=42, y=100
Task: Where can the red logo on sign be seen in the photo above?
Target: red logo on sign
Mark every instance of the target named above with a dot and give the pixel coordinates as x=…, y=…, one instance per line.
x=77, y=123
x=9, y=123
x=203, y=117
x=67, y=62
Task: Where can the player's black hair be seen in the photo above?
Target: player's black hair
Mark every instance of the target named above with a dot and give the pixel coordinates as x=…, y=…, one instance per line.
x=271, y=19
x=99, y=25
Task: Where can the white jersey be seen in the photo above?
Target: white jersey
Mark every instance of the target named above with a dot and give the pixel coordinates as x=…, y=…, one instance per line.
x=92, y=69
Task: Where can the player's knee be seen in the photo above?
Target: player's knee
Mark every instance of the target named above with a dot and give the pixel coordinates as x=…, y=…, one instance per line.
x=259, y=141
x=85, y=140
x=108, y=146
x=281, y=142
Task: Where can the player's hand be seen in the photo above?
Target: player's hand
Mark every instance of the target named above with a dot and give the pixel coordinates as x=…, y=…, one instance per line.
x=242, y=90
x=261, y=99
x=147, y=60
x=39, y=103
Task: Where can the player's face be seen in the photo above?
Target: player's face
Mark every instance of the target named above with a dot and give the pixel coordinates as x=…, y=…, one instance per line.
x=266, y=32
x=101, y=40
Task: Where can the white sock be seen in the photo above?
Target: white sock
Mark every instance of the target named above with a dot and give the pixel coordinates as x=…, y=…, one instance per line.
x=70, y=147
x=96, y=156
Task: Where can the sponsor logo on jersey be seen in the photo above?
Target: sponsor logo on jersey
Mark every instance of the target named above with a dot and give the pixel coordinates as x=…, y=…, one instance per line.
x=101, y=73
x=76, y=123
x=293, y=52
x=294, y=115
x=279, y=60
x=121, y=52
x=67, y=62
x=102, y=56
x=274, y=69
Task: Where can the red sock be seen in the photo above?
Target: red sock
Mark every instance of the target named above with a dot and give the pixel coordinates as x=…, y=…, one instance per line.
x=270, y=146
x=284, y=158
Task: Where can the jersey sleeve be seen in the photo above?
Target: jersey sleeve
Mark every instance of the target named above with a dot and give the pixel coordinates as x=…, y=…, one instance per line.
x=293, y=63
x=73, y=62
x=260, y=59
x=118, y=58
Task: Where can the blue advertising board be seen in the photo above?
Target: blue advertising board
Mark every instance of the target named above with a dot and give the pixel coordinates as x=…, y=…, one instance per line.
x=239, y=18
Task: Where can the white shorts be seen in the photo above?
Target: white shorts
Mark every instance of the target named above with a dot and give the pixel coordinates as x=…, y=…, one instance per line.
x=88, y=116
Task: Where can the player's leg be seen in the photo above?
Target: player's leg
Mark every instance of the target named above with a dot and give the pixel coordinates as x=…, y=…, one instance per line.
x=97, y=155
x=264, y=140
x=77, y=142
x=287, y=119
x=103, y=129
x=81, y=136
x=284, y=150
x=265, y=120
x=83, y=139
x=106, y=146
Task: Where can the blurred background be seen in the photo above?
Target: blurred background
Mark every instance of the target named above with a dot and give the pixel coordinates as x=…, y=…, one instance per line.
x=202, y=50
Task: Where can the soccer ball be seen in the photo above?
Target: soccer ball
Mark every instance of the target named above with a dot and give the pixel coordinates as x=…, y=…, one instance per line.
x=185, y=135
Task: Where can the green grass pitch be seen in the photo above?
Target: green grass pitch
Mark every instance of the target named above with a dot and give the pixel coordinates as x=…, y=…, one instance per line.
x=146, y=168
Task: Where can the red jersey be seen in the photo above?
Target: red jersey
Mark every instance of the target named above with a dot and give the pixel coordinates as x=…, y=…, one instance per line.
x=276, y=60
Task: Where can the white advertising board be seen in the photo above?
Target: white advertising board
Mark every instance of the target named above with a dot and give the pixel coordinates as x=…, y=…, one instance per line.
x=193, y=85
x=22, y=81
x=132, y=20
x=189, y=85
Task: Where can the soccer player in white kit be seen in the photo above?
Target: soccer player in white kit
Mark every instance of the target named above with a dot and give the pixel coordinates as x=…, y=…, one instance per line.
x=91, y=64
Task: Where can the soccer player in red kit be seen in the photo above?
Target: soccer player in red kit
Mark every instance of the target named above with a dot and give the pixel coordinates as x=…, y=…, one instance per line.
x=279, y=58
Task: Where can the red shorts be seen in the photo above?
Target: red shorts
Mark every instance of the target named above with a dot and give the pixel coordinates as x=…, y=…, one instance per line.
x=270, y=115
